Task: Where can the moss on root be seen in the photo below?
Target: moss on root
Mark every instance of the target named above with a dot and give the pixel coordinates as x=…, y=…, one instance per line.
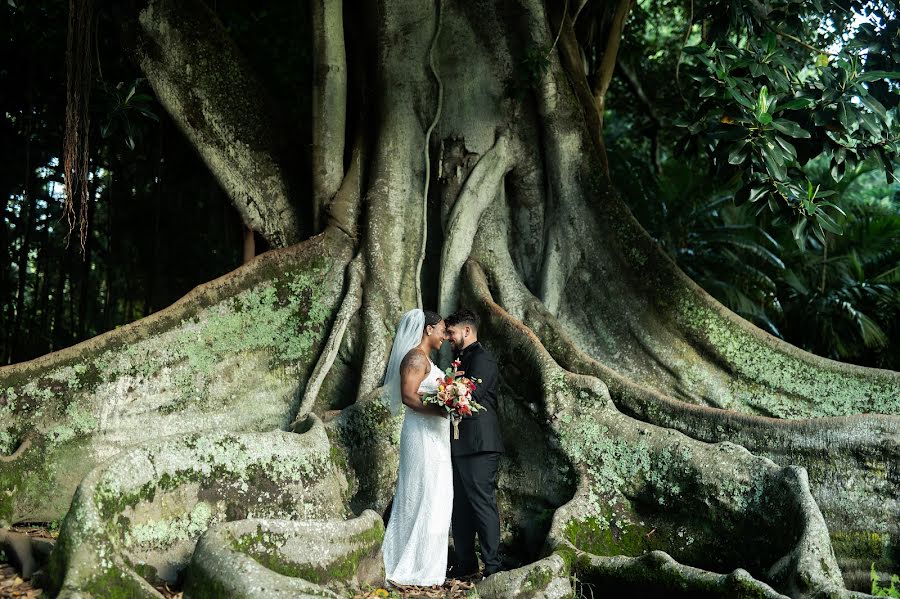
x=265, y=547
x=201, y=364
x=780, y=380
x=601, y=537
x=148, y=506
x=374, y=434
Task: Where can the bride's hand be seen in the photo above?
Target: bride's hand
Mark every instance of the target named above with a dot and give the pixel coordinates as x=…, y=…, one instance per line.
x=460, y=372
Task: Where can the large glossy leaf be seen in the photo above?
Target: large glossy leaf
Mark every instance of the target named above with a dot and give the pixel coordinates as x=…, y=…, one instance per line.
x=788, y=148
x=795, y=104
x=739, y=152
x=874, y=105
x=790, y=128
x=877, y=75
x=828, y=223
x=774, y=159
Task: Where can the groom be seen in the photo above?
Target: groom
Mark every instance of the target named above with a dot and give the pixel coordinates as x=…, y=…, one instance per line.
x=476, y=454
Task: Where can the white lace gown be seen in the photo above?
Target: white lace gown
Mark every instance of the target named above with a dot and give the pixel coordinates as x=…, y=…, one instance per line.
x=415, y=542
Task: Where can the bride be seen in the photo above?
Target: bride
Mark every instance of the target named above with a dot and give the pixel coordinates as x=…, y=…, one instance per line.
x=415, y=542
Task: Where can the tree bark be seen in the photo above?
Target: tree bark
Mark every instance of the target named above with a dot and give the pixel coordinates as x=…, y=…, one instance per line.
x=653, y=435
x=329, y=103
x=249, y=247
x=606, y=69
x=202, y=80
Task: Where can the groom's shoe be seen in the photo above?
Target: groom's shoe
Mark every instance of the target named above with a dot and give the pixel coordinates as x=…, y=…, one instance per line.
x=467, y=575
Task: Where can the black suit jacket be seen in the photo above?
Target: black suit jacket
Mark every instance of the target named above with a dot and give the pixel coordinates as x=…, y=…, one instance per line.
x=480, y=431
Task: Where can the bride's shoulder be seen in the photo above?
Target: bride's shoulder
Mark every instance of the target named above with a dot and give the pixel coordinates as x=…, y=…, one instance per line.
x=414, y=360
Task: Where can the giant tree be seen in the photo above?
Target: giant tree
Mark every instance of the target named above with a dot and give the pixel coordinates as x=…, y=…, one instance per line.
x=657, y=442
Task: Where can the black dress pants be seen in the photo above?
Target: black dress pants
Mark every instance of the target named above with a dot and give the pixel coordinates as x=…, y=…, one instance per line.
x=475, y=511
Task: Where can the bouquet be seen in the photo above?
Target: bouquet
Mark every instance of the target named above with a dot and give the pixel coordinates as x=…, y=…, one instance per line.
x=455, y=396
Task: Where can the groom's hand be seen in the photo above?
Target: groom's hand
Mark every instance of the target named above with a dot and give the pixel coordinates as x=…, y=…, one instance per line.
x=460, y=372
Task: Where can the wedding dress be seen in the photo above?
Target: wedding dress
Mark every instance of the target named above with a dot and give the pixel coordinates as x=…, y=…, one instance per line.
x=415, y=542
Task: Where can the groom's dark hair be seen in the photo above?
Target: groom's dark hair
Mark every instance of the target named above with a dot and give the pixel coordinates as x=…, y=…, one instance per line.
x=462, y=317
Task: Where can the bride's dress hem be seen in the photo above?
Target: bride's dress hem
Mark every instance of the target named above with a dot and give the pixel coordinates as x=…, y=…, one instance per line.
x=426, y=583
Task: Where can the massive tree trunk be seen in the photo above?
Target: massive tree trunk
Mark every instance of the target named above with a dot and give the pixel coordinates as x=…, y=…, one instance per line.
x=657, y=442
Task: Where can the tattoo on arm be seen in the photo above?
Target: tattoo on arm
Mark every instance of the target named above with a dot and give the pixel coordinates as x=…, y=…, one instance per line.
x=414, y=362
x=413, y=370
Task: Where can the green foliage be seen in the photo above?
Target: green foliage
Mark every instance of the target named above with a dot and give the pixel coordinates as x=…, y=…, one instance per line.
x=766, y=170
x=765, y=111
x=838, y=296
x=843, y=291
x=120, y=106
x=762, y=89
x=880, y=591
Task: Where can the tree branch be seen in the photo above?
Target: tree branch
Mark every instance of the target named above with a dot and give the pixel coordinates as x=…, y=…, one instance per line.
x=329, y=105
x=608, y=63
x=795, y=39
x=571, y=61
x=480, y=189
x=632, y=80
x=206, y=86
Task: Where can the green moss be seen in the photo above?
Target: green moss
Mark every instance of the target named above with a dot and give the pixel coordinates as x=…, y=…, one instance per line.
x=745, y=588
x=283, y=318
x=31, y=483
x=538, y=578
x=568, y=556
x=859, y=544
x=164, y=532
x=225, y=470
x=77, y=422
x=13, y=479
x=264, y=547
x=373, y=434
x=112, y=583
x=595, y=535
x=776, y=383
x=339, y=457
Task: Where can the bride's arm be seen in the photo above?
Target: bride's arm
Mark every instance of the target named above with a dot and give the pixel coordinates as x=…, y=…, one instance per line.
x=413, y=370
